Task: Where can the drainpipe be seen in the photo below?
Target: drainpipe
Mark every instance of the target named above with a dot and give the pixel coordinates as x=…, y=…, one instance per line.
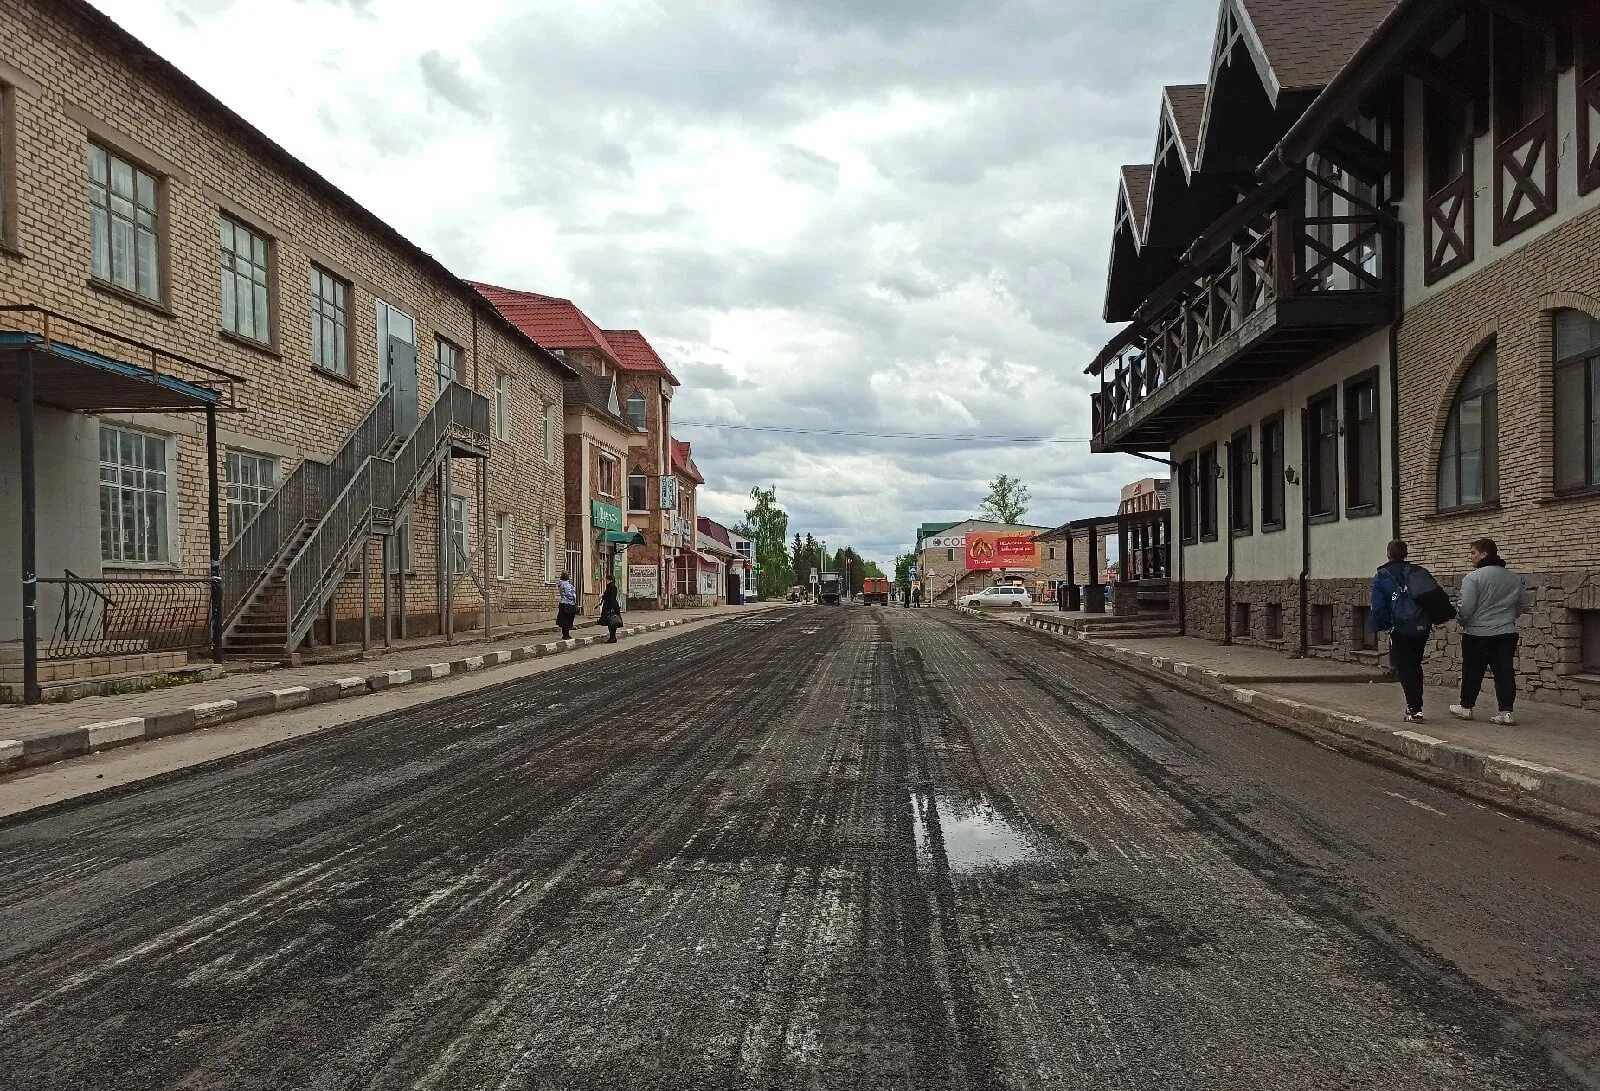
x=1397, y=266
x=1305, y=536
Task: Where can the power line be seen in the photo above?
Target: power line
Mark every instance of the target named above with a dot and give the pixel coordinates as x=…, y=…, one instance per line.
x=941, y=437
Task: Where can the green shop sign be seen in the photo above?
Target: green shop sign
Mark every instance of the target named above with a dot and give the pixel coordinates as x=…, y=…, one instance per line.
x=605, y=516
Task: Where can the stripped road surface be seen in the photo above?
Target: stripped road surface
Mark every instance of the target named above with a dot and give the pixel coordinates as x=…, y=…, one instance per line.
x=817, y=848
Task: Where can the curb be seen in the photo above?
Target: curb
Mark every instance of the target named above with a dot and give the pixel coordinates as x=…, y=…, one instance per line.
x=74, y=742
x=1522, y=778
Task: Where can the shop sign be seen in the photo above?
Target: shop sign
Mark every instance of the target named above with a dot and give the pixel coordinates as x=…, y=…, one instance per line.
x=642, y=581
x=669, y=492
x=604, y=516
x=945, y=541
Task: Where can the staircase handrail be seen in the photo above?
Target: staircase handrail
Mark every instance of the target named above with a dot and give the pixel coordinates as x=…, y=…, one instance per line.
x=381, y=487
x=303, y=496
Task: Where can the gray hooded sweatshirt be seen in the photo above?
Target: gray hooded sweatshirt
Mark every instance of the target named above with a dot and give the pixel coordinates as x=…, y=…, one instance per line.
x=1492, y=598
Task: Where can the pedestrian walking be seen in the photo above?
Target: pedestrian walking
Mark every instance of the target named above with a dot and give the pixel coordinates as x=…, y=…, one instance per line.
x=567, y=605
x=1406, y=603
x=611, y=610
x=1492, y=598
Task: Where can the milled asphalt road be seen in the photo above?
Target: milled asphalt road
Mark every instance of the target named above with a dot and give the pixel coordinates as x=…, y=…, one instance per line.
x=824, y=848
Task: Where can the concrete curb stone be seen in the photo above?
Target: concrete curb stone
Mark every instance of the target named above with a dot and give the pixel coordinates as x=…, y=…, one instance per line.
x=1571, y=791
x=87, y=738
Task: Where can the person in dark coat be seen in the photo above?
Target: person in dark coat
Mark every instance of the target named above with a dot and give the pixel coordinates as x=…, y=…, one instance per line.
x=611, y=610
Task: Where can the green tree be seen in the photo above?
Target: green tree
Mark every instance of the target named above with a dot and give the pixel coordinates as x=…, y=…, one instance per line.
x=1007, y=501
x=767, y=525
x=902, y=567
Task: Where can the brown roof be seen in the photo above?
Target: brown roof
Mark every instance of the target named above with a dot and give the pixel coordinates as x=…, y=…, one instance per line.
x=635, y=353
x=592, y=392
x=1306, y=43
x=553, y=322
x=1188, y=104
x=1136, y=182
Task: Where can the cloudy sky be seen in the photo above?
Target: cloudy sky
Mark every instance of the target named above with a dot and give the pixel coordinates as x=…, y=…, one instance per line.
x=881, y=216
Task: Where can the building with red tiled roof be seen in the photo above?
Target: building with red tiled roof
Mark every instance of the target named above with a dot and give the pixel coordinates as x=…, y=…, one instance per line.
x=683, y=462
x=635, y=353
x=555, y=323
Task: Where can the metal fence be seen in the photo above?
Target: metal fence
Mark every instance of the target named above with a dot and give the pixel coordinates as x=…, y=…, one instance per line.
x=123, y=616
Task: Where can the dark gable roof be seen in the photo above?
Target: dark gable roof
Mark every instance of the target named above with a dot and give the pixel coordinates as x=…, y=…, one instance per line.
x=1136, y=190
x=1307, y=42
x=115, y=37
x=1186, y=103
x=592, y=392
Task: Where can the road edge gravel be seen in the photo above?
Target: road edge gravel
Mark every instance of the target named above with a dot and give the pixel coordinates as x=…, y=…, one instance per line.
x=90, y=738
x=1512, y=779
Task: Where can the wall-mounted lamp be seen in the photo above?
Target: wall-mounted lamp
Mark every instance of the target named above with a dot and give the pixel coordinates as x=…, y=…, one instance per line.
x=1290, y=476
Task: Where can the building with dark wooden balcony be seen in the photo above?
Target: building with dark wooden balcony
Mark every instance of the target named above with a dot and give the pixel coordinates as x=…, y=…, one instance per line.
x=1359, y=299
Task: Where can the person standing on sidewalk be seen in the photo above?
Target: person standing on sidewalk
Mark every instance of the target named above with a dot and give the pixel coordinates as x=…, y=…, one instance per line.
x=567, y=605
x=1492, y=598
x=1406, y=600
x=611, y=611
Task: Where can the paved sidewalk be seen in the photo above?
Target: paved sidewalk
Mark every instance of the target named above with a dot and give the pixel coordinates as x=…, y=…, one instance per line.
x=1553, y=754
x=39, y=734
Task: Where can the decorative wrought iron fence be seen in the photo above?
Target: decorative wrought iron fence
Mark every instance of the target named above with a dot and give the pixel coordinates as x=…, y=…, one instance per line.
x=123, y=616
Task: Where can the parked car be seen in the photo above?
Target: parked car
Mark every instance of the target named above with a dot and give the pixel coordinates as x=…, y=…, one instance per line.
x=992, y=597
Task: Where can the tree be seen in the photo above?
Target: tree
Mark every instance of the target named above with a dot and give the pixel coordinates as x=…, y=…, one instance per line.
x=767, y=525
x=902, y=567
x=1007, y=501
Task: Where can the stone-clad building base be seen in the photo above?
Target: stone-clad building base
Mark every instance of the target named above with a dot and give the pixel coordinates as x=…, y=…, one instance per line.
x=1549, y=658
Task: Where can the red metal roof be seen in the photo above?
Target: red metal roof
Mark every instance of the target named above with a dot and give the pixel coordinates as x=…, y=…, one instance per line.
x=553, y=322
x=714, y=530
x=681, y=460
x=634, y=353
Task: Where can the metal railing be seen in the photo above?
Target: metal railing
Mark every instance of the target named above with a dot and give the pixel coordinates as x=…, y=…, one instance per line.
x=125, y=616
x=379, y=491
x=304, y=497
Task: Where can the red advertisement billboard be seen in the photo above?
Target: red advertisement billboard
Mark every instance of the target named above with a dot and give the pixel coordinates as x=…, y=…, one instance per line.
x=987, y=551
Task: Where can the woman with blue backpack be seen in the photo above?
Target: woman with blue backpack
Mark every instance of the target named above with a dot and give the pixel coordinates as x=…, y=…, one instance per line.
x=1407, y=602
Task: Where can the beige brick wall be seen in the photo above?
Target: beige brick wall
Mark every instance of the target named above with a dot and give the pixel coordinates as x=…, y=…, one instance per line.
x=78, y=85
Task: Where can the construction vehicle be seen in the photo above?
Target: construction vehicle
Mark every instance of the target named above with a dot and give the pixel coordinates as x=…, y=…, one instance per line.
x=875, y=591
x=830, y=587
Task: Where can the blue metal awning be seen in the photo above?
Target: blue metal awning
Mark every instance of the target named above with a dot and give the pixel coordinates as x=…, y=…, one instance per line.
x=67, y=376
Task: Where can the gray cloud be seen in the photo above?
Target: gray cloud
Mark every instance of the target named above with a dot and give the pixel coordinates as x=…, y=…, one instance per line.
x=443, y=77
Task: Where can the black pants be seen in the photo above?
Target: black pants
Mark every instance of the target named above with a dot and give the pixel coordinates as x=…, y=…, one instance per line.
x=1405, y=659
x=566, y=614
x=1497, y=653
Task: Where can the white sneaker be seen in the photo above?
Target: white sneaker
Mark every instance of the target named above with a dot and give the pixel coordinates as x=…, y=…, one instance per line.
x=1414, y=718
x=1460, y=713
x=1505, y=719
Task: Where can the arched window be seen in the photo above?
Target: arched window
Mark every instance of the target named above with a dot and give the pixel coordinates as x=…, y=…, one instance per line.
x=1577, y=406
x=1467, y=471
x=636, y=411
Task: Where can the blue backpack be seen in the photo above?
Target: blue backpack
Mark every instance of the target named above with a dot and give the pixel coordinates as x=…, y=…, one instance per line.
x=1407, y=618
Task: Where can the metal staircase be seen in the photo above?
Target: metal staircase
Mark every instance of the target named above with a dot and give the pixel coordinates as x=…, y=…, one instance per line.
x=319, y=541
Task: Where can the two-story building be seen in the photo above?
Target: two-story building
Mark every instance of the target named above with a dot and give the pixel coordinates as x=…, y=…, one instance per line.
x=597, y=440
x=227, y=390
x=1392, y=332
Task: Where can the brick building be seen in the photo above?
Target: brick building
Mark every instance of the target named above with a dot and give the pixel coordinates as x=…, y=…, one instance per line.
x=644, y=386
x=596, y=456
x=1394, y=332
x=156, y=239
x=947, y=572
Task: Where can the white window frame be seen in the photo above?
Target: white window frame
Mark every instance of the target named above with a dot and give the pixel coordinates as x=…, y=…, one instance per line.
x=330, y=322
x=247, y=497
x=165, y=522
x=139, y=209
x=446, y=362
x=502, y=406
x=402, y=550
x=502, y=545
x=250, y=271
x=550, y=553
x=456, y=534
x=643, y=423
x=616, y=477
x=551, y=427
x=629, y=486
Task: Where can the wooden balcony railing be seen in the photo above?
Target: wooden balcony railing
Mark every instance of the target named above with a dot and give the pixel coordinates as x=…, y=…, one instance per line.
x=1294, y=257
x=1450, y=236
x=1525, y=177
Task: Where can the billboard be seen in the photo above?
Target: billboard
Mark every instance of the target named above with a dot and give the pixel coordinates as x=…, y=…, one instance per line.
x=642, y=581
x=1009, y=551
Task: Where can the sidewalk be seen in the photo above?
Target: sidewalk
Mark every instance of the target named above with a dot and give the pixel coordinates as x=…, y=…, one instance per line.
x=39, y=734
x=1553, y=754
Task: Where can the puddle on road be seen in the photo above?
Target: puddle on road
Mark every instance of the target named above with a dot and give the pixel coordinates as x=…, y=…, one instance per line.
x=975, y=836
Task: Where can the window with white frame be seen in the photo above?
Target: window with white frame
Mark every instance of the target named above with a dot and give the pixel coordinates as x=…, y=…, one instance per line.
x=550, y=552
x=638, y=492
x=446, y=362
x=458, y=534
x=502, y=545
x=330, y=322
x=502, y=406
x=610, y=475
x=245, y=281
x=400, y=550
x=133, y=497
x=636, y=416
x=124, y=224
x=251, y=478
x=552, y=428
x=392, y=322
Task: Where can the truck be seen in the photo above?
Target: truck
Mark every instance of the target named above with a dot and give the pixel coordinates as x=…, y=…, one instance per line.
x=830, y=587
x=875, y=591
